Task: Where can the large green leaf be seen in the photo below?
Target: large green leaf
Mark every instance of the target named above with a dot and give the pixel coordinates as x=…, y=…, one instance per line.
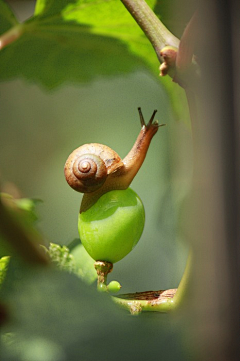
x=78, y=41
x=61, y=58
x=75, y=41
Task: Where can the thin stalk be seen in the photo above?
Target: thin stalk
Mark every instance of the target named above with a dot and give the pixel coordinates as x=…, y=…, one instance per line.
x=158, y=301
x=155, y=301
x=153, y=28
x=11, y=35
x=103, y=268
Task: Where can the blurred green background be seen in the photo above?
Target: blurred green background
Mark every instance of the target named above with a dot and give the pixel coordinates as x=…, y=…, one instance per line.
x=39, y=129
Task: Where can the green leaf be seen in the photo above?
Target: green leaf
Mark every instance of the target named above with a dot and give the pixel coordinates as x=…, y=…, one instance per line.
x=5, y=248
x=51, y=7
x=25, y=207
x=77, y=261
x=7, y=18
x=75, y=42
x=56, y=57
x=18, y=235
x=78, y=41
x=61, y=256
x=3, y=268
x=110, y=18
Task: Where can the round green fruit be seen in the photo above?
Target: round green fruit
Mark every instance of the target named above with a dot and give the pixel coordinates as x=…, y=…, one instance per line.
x=114, y=286
x=111, y=228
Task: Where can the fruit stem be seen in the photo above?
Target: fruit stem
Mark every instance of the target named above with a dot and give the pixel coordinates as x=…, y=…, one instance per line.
x=11, y=35
x=103, y=268
x=158, y=301
x=153, y=28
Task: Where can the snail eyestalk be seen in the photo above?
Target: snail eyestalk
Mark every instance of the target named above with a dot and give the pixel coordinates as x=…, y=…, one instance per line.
x=142, y=121
x=152, y=117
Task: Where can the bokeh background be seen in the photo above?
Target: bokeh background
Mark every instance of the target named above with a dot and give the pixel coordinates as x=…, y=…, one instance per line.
x=40, y=128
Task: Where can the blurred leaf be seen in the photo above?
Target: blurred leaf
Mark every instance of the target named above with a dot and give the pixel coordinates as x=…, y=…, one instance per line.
x=56, y=317
x=84, y=264
x=178, y=100
x=64, y=43
x=7, y=18
x=18, y=236
x=78, y=41
x=3, y=268
x=24, y=212
x=51, y=58
x=5, y=250
x=176, y=14
x=61, y=256
x=25, y=207
x=51, y=7
x=77, y=261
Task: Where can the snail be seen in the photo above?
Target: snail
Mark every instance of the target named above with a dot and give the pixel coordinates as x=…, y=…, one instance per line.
x=94, y=169
x=111, y=217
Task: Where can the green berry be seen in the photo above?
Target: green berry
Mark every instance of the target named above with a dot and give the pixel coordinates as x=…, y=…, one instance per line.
x=114, y=286
x=112, y=227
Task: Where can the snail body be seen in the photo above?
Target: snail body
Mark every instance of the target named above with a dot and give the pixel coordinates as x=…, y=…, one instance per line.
x=111, y=218
x=95, y=169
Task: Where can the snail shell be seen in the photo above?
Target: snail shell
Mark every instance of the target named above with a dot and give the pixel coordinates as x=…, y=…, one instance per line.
x=88, y=166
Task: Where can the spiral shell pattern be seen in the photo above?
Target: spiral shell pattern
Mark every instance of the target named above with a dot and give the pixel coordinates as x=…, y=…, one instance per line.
x=88, y=166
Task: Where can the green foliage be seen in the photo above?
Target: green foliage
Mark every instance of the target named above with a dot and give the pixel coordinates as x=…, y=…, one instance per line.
x=61, y=256
x=78, y=41
x=52, y=314
x=56, y=317
x=7, y=18
x=3, y=268
x=26, y=207
x=4, y=248
x=77, y=261
x=23, y=212
x=75, y=42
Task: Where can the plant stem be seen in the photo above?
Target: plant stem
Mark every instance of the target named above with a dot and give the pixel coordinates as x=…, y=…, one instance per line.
x=103, y=268
x=157, y=301
x=11, y=35
x=153, y=28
